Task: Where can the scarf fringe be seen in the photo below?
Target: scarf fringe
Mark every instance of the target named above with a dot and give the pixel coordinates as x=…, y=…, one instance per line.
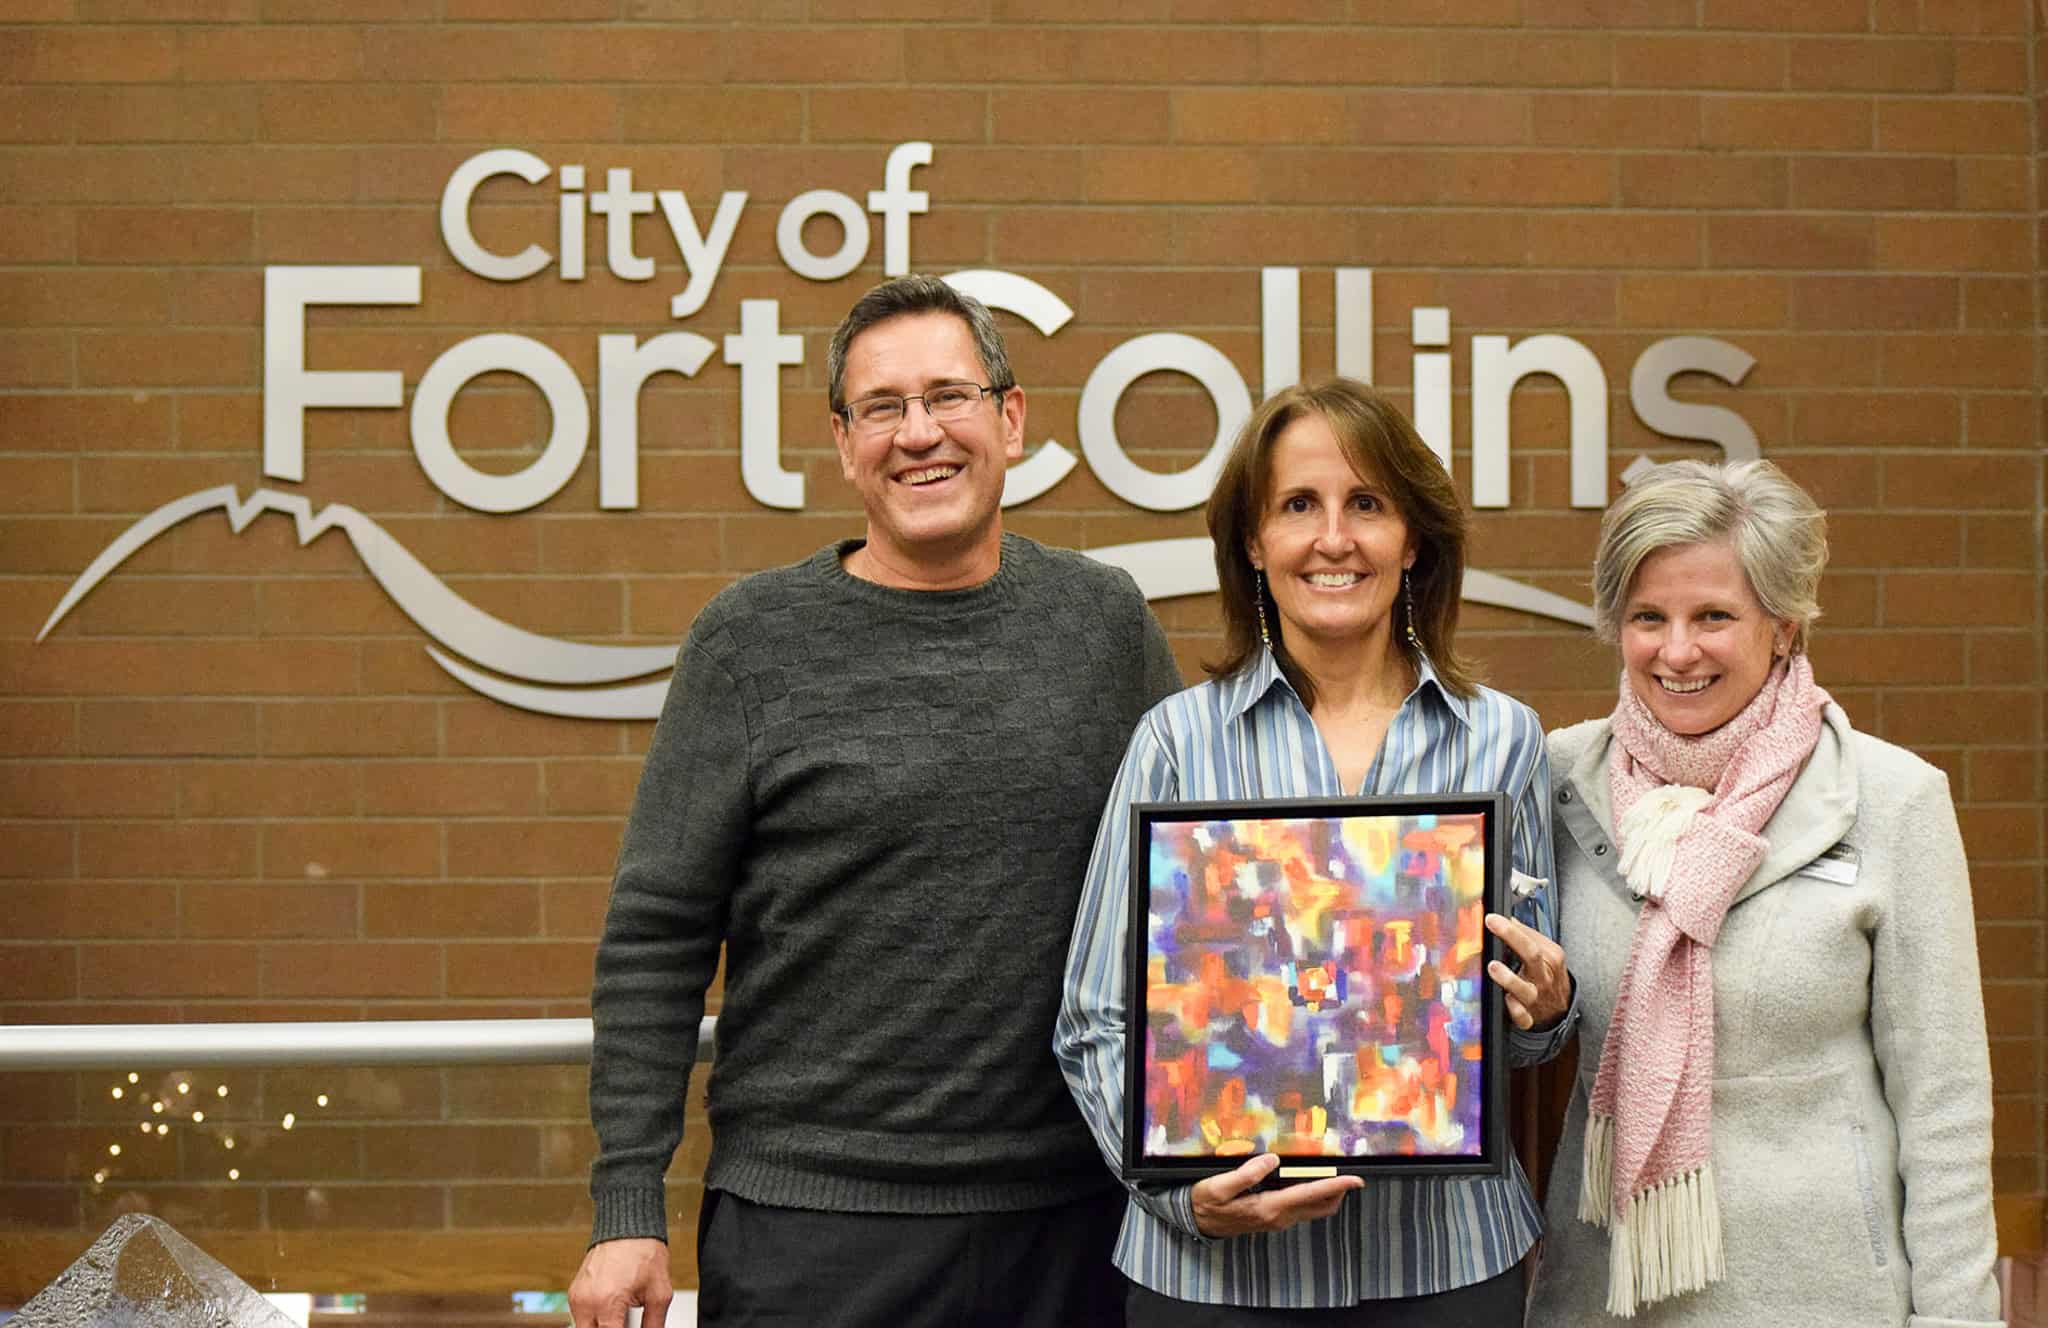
x=1650, y=832
x=1667, y=1241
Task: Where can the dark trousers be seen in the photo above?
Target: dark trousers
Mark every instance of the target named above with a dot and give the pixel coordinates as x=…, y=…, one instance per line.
x=1494, y=1303
x=765, y=1267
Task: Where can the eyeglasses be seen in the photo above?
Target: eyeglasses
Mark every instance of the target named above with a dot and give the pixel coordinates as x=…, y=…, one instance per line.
x=948, y=401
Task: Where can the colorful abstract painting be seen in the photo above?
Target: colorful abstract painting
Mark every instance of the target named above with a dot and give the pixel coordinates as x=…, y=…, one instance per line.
x=1315, y=987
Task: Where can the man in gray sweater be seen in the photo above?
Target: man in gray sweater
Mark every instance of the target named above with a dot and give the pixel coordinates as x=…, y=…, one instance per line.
x=876, y=782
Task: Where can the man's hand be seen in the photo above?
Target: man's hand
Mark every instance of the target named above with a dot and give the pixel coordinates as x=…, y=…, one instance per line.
x=1538, y=996
x=617, y=1274
x=1225, y=1205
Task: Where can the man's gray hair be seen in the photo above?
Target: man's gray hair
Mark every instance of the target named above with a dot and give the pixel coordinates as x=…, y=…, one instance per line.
x=1778, y=531
x=916, y=294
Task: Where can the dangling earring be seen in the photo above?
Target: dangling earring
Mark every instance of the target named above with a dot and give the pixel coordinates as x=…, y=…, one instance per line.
x=1408, y=598
x=1259, y=595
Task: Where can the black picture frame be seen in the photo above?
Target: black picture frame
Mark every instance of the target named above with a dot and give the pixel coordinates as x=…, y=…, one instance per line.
x=1485, y=1154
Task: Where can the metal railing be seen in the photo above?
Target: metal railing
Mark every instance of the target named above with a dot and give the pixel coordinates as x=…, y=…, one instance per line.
x=416, y=1042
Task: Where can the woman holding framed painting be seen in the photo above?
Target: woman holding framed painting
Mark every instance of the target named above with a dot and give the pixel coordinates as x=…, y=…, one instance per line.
x=1783, y=1104
x=1340, y=551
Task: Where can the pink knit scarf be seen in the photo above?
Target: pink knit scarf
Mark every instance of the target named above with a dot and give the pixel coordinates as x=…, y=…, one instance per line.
x=1688, y=813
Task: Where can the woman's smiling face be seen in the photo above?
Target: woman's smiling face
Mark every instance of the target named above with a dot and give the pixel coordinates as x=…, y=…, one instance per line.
x=1330, y=542
x=1695, y=642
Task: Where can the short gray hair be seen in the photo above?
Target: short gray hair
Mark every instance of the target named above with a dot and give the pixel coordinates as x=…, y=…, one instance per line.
x=916, y=294
x=1779, y=533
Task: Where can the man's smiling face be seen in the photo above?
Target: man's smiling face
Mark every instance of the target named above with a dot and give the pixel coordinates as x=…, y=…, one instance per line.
x=932, y=489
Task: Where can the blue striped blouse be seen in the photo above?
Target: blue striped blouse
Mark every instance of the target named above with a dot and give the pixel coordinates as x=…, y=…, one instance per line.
x=1249, y=736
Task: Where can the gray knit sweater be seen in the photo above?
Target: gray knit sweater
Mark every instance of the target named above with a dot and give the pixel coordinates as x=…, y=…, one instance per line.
x=882, y=802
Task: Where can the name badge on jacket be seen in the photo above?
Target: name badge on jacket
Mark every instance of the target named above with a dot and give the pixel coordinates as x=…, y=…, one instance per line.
x=1839, y=865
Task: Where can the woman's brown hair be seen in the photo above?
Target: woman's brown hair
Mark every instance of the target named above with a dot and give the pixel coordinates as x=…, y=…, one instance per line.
x=1382, y=445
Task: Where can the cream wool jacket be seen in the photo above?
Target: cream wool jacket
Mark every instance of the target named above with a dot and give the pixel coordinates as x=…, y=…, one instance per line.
x=1852, y=1084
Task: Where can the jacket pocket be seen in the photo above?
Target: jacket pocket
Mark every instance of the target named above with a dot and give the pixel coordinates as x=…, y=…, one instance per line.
x=1866, y=1189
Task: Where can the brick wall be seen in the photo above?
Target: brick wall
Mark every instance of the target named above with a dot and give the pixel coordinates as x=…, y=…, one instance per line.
x=233, y=785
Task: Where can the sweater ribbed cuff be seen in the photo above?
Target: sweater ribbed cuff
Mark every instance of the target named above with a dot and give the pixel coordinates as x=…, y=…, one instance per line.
x=629, y=1214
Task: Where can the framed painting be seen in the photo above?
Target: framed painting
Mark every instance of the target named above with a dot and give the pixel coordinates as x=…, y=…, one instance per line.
x=1307, y=977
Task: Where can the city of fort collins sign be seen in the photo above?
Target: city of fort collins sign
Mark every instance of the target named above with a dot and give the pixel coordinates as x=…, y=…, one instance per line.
x=540, y=673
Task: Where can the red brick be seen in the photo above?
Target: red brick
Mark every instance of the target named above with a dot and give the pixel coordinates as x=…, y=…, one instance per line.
x=1991, y=66
x=1436, y=13
x=170, y=968
x=520, y=968
x=1703, y=301
x=2001, y=657
x=526, y=113
x=348, y=728
x=367, y=968
x=2000, y=420
x=1791, y=241
x=529, y=11
x=128, y=54
x=1768, y=16
x=500, y=850
x=871, y=55
x=1633, y=120
x=165, y=359
x=351, y=849
x=450, y=909
x=304, y=911
x=1066, y=116
x=38, y=728
x=355, y=1207
x=1924, y=419
x=1997, y=303
x=2004, y=774
x=1785, y=123
x=35, y=359
x=1610, y=13
x=1958, y=360
x=1955, y=244
x=1867, y=64
x=342, y=115
x=1700, y=61
x=1876, y=184
x=1617, y=240
x=38, y=115
x=91, y=789
x=451, y=1152
x=1268, y=115
x=2000, y=541
x=1962, y=599
x=169, y=11
x=272, y=55
x=164, y=235
x=1951, y=124
x=38, y=971
x=1972, y=17
x=37, y=235
x=891, y=115
x=1343, y=56
x=1950, y=481
x=165, y=115
x=138, y=849
x=91, y=910
x=1549, y=179
x=268, y=788
x=1879, y=302
x=167, y=728
x=1660, y=180
x=727, y=115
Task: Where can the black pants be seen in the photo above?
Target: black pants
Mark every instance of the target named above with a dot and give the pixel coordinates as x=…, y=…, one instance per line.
x=764, y=1267
x=1494, y=1303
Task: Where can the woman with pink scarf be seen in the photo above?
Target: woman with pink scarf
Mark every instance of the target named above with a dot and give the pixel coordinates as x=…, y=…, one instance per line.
x=1783, y=1106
